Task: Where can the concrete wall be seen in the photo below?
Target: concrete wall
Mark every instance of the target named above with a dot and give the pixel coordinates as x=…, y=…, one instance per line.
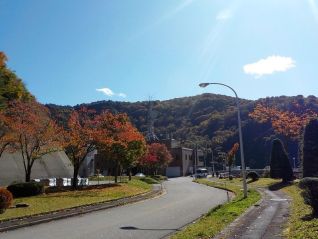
x=55, y=165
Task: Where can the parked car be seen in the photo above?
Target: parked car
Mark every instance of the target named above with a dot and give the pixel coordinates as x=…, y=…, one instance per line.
x=201, y=173
x=140, y=175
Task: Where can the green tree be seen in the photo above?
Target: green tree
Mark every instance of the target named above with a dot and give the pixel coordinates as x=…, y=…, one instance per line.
x=310, y=150
x=279, y=165
x=11, y=87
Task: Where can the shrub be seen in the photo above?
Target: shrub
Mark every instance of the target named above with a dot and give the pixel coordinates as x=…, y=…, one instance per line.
x=280, y=166
x=6, y=199
x=310, y=193
x=149, y=180
x=310, y=150
x=253, y=175
x=26, y=189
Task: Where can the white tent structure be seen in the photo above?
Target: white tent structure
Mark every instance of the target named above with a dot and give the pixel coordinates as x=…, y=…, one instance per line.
x=53, y=165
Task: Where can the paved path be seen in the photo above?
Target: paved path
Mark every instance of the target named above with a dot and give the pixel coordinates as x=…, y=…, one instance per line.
x=184, y=202
x=265, y=221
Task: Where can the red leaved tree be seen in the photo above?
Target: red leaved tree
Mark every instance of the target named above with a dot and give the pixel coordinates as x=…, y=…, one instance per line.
x=33, y=132
x=79, y=138
x=120, y=141
x=157, y=158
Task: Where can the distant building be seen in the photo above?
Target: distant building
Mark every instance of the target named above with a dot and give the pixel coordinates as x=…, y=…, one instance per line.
x=183, y=159
x=53, y=165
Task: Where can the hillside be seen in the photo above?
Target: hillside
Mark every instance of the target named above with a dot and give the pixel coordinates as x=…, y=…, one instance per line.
x=207, y=119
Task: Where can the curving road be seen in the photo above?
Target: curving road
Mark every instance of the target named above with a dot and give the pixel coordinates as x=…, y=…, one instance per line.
x=184, y=202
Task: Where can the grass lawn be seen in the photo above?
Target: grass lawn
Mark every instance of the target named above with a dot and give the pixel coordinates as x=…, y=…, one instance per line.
x=300, y=224
x=221, y=216
x=57, y=201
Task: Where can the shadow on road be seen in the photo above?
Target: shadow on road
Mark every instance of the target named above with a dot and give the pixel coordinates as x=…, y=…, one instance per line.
x=148, y=229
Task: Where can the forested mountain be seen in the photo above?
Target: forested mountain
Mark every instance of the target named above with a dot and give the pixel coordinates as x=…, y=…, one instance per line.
x=206, y=119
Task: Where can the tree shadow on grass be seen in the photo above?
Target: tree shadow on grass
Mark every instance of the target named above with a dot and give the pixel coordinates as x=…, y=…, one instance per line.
x=309, y=217
x=279, y=185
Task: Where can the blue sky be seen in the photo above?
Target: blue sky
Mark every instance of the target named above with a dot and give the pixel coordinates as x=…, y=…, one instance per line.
x=70, y=52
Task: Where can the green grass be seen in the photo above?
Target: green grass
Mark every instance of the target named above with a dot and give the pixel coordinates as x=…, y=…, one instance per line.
x=57, y=201
x=221, y=216
x=300, y=224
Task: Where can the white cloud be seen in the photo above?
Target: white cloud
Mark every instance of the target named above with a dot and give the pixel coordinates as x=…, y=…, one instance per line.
x=269, y=66
x=110, y=93
x=106, y=91
x=122, y=95
x=224, y=15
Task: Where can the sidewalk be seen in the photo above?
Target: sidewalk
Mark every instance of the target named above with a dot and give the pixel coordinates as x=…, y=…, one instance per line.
x=47, y=217
x=265, y=220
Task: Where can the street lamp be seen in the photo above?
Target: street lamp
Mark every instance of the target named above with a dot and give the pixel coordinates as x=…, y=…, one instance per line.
x=240, y=131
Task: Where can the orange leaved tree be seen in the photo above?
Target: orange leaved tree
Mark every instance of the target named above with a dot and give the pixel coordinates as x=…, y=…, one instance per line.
x=231, y=156
x=285, y=123
x=79, y=139
x=119, y=140
x=33, y=133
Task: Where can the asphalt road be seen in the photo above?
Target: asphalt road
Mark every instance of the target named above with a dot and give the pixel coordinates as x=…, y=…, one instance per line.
x=184, y=202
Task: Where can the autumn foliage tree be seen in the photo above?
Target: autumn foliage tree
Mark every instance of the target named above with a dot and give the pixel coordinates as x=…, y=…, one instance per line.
x=158, y=157
x=5, y=133
x=231, y=156
x=11, y=87
x=289, y=124
x=79, y=139
x=33, y=133
x=119, y=141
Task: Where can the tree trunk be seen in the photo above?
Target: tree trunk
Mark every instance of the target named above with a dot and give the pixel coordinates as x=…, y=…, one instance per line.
x=116, y=173
x=129, y=173
x=28, y=176
x=75, y=174
x=28, y=170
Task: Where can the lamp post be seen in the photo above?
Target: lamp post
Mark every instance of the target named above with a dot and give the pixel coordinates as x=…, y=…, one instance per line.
x=203, y=85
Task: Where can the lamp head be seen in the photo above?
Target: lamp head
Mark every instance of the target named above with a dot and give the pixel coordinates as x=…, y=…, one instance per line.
x=203, y=85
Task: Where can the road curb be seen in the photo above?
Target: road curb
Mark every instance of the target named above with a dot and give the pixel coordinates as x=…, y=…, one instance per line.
x=9, y=225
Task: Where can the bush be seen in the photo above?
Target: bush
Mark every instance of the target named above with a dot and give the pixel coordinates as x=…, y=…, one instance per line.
x=159, y=177
x=310, y=193
x=6, y=199
x=26, y=189
x=149, y=180
x=310, y=150
x=253, y=175
x=280, y=166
